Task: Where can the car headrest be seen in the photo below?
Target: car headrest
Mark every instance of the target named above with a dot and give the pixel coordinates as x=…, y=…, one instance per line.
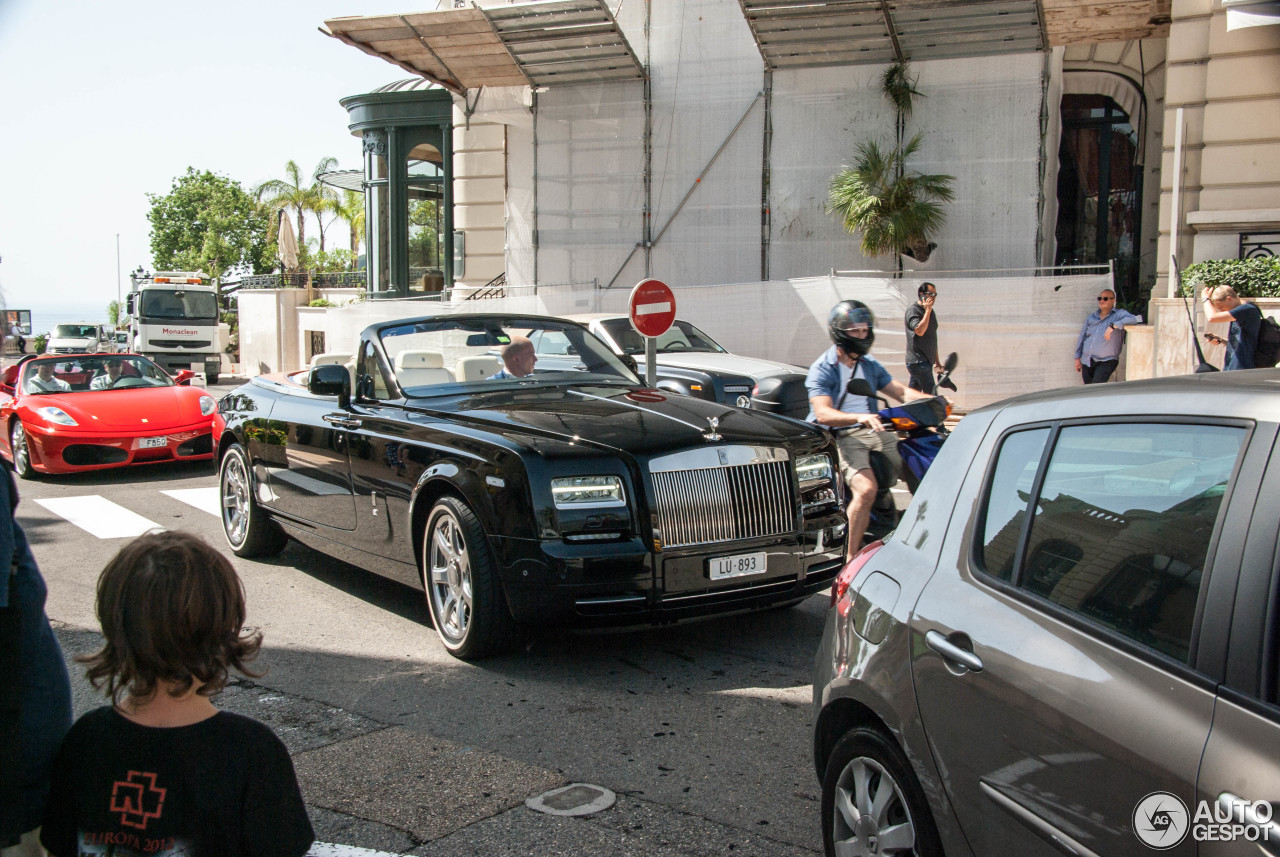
x=419, y=360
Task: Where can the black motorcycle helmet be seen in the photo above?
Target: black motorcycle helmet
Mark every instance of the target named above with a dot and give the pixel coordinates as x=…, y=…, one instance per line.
x=843, y=317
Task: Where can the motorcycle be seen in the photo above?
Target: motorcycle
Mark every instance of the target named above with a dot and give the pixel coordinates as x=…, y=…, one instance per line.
x=921, y=428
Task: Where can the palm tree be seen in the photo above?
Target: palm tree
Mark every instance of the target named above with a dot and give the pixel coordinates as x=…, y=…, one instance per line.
x=279, y=194
x=896, y=211
x=350, y=210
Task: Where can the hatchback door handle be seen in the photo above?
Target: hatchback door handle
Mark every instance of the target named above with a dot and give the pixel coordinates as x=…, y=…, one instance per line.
x=1242, y=813
x=342, y=420
x=951, y=652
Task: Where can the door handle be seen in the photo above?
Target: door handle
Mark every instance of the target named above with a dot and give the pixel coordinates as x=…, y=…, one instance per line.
x=1243, y=812
x=342, y=420
x=951, y=652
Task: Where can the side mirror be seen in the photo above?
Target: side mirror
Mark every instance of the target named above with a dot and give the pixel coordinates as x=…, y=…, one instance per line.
x=128, y=304
x=330, y=379
x=859, y=387
x=629, y=362
x=951, y=362
x=184, y=377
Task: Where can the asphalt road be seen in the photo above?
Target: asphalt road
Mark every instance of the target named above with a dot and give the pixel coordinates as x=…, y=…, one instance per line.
x=702, y=730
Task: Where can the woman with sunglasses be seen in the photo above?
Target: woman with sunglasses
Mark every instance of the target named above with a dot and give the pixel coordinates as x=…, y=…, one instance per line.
x=1101, y=338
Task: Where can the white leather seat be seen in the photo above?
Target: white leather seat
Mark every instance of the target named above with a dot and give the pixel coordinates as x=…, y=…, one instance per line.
x=327, y=358
x=478, y=368
x=421, y=368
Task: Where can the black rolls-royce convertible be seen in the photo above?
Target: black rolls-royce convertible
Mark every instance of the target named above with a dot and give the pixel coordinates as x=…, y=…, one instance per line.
x=573, y=495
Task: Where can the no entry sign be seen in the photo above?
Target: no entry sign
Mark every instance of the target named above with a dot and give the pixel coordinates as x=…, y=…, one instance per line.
x=652, y=307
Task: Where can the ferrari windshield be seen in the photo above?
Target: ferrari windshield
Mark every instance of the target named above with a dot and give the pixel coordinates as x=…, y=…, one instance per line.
x=87, y=373
x=682, y=336
x=493, y=351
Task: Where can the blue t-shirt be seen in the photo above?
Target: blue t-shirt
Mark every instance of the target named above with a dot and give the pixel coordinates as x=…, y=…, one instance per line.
x=1243, y=340
x=828, y=378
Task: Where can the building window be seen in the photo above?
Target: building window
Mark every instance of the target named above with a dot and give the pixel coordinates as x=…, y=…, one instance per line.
x=1099, y=189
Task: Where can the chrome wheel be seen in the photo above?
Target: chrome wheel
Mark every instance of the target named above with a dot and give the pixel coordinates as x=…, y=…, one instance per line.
x=235, y=500
x=21, y=452
x=449, y=578
x=871, y=814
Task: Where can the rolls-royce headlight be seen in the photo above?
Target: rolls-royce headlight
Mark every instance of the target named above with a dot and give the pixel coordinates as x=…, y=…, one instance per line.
x=581, y=492
x=813, y=470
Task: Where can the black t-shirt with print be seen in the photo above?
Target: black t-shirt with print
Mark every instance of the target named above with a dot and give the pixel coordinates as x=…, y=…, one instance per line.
x=223, y=786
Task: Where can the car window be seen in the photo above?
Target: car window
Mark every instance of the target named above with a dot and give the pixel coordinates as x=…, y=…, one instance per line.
x=552, y=343
x=1006, y=506
x=1121, y=525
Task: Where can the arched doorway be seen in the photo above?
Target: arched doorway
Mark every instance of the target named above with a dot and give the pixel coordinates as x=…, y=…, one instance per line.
x=1099, y=188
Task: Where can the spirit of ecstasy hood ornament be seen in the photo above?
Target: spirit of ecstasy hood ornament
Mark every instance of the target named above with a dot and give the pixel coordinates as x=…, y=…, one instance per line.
x=711, y=433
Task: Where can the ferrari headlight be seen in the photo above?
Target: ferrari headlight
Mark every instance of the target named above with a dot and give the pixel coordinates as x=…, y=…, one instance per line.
x=582, y=492
x=207, y=405
x=57, y=415
x=813, y=470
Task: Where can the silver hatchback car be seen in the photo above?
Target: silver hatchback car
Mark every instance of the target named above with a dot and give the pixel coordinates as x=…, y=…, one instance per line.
x=1071, y=644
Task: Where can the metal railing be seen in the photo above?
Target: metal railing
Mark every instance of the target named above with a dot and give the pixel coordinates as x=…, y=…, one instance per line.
x=323, y=280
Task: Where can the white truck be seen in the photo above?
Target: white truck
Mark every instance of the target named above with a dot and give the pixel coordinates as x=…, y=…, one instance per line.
x=175, y=321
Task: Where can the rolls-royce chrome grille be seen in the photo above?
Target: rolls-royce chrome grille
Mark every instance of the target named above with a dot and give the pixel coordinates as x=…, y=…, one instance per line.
x=722, y=494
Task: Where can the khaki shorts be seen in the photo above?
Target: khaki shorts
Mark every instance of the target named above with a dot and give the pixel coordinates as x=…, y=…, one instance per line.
x=855, y=446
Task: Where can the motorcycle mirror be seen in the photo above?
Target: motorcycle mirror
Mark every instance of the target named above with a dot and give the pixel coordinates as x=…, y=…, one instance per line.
x=950, y=363
x=859, y=387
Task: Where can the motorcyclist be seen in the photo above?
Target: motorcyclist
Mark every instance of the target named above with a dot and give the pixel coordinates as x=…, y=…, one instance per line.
x=853, y=419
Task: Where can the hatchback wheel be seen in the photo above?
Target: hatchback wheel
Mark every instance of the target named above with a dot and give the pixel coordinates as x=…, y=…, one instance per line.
x=464, y=593
x=872, y=804
x=21, y=452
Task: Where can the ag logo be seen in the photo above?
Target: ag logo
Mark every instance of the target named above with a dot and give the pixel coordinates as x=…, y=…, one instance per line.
x=1160, y=820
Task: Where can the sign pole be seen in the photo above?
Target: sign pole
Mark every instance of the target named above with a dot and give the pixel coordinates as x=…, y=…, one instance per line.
x=652, y=309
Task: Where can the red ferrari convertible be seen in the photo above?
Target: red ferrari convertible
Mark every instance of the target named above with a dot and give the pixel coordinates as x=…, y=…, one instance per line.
x=68, y=413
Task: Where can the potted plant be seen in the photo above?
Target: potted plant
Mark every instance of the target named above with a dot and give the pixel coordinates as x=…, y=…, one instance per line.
x=895, y=210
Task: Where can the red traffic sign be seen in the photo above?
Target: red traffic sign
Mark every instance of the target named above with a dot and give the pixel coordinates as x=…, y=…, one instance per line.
x=652, y=307
x=648, y=396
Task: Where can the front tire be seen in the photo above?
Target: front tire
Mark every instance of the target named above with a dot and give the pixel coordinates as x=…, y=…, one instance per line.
x=21, y=450
x=467, y=603
x=872, y=802
x=249, y=531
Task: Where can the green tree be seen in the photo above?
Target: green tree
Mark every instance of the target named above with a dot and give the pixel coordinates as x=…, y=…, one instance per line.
x=350, y=210
x=207, y=222
x=301, y=198
x=895, y=210
x=113, y=313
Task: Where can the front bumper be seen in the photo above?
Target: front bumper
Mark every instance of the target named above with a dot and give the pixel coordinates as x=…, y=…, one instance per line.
x=64, y=451
x=625, y=583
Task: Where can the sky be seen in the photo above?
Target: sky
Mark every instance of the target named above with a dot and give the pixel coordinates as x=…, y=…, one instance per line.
x=107, y=102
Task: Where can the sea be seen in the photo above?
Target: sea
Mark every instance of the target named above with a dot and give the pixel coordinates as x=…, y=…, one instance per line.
x=44, y=317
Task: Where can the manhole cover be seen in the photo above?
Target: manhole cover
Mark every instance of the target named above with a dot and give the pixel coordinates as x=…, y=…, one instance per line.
x=573, y=799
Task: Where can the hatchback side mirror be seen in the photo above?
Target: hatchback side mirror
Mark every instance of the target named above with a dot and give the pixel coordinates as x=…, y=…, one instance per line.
x=330, y=379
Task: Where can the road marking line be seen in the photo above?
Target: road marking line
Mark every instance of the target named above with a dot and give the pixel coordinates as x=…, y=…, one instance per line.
x=100, y=517
x=325, y=849
x=204, y=499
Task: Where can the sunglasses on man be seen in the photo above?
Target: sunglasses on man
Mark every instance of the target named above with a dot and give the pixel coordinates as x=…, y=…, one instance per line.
x=1101, y=299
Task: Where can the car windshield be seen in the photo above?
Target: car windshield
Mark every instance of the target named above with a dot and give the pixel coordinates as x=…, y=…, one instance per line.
x=178, y=303
x=682, y=336
x=497, y=351
x=92, y=373
x=75, y=331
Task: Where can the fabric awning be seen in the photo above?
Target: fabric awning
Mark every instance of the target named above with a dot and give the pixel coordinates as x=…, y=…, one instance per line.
x=534, y=44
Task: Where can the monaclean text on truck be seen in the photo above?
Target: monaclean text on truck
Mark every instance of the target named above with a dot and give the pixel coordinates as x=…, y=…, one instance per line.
x=175, y=321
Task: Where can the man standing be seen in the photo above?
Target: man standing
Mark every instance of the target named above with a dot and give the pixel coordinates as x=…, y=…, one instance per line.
x=922, y=340
x=853, y=418
x=15, y=330
x=1221, y=303
x=1101, y=338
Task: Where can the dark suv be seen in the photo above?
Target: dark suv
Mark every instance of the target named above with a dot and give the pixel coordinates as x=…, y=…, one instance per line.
x=1070, y=645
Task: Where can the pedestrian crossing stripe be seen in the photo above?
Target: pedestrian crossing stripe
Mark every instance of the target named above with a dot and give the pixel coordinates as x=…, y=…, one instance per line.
x=105, y=519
